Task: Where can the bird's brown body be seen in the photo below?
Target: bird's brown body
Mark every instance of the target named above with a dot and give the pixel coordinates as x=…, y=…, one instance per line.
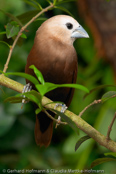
x=54, y=55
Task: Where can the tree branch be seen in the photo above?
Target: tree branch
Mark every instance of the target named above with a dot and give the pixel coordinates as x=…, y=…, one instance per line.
x=110, y=127
x=20, y=32
x=81, y=124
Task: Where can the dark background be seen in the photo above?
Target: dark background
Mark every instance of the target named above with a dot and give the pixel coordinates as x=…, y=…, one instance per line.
x=96, y=58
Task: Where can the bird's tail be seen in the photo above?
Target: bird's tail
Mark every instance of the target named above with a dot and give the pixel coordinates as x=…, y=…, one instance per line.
x=43, y=129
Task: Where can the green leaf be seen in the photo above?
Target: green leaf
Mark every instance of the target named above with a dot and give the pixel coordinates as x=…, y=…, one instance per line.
x=26, y=76
x=23, y=36
x=37, y=111
x=12, y=29
x=110, y=154
x=77, y=86
x=101, y=160
x=36, y=94
x=38, y=74
x=46, y=87
x=32, y=97
x=43, y=88
x=64, y=9
x=80, y=141
x=14, y=99
x=5, y=43
x=68, y=120
x=108, y=95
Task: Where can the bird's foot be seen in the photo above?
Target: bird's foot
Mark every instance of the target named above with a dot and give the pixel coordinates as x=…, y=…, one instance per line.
x=26, y=88
x=63, y=109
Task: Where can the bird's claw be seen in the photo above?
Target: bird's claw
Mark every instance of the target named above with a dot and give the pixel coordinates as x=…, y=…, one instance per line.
x=27, y=88
x=63, y=109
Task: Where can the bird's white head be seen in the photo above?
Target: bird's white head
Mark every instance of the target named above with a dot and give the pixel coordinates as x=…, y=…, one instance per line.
x=64, y=28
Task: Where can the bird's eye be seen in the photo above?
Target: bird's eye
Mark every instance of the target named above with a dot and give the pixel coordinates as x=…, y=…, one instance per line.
x=69, y=26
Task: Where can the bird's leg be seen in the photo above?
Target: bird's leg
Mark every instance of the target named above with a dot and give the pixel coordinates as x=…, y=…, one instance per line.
x=63, y=109
x=26, y=88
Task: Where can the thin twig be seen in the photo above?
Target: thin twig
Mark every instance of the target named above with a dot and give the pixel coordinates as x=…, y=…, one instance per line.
x=110, y=128
x=93, y=103
x=57, y=121
x=20, y=32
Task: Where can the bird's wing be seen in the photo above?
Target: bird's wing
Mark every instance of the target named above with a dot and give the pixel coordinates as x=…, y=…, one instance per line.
x=71, y=92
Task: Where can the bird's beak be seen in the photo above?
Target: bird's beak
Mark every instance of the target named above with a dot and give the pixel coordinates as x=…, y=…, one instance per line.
x=79, y=33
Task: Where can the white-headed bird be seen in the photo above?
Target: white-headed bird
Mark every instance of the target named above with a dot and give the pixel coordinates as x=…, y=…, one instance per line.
x=54, y=55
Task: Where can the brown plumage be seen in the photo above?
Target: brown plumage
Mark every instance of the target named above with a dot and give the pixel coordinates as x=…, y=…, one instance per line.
x=54, y=55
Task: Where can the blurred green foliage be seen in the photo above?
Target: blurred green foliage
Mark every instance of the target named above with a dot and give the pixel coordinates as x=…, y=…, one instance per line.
x=17, y=145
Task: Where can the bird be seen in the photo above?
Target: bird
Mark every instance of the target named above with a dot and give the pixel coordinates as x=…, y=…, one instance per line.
x=54, y=55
